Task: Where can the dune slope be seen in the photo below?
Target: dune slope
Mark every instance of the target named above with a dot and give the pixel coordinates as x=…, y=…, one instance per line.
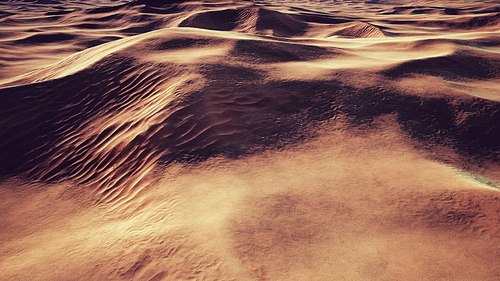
x=220, y=140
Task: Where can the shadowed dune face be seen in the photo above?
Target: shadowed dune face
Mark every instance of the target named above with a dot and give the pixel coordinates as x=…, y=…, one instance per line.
x=133, y=111
x=218, y=140
x=249, y=20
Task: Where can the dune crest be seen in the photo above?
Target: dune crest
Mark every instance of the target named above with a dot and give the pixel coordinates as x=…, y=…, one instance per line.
x=237, y=140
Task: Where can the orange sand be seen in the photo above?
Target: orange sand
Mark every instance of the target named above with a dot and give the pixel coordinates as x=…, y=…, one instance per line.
x=273, y=140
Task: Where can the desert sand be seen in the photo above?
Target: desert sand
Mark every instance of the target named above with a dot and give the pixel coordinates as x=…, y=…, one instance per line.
x=238, y=140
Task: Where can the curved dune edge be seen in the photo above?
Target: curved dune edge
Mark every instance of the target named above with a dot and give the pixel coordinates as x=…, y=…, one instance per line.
x=218, y=140
x=142, y=100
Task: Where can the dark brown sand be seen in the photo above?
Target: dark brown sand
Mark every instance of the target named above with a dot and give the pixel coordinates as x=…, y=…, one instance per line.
x=272, y=140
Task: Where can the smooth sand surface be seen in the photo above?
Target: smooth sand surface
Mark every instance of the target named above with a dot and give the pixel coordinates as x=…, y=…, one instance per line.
x=269, y=140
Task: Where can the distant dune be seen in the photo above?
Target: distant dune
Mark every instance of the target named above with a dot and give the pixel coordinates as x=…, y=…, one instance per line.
x=238, y=140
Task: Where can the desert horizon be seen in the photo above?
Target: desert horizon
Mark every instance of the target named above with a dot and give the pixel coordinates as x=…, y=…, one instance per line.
x=249, y=140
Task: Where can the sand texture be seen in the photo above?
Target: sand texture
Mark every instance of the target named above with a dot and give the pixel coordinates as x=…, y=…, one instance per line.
x=237, y=140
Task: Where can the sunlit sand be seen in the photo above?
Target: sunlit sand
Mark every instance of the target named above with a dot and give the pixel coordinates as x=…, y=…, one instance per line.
x=268, y=140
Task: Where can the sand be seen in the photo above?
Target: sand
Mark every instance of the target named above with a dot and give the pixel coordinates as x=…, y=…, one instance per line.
x=238, y=140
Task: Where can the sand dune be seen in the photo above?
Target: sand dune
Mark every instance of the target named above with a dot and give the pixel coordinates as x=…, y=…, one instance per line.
x=221, y=140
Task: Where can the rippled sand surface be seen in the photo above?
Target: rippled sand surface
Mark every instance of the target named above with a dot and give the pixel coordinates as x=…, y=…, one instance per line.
x=238, y=140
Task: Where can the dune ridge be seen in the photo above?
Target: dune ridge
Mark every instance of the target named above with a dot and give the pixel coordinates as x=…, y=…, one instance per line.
x=237, y=140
